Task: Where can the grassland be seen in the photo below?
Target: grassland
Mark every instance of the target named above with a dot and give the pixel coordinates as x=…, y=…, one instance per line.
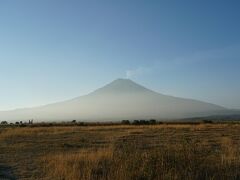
x=166, y=151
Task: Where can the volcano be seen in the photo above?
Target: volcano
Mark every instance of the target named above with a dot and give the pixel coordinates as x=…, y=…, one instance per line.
x=121, y=99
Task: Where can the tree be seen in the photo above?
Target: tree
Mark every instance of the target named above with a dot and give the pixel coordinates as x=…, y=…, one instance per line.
x=4, y=122
x=152, y=121
x=74, y=121
x=136, y=122
x=207, y=121
x=125, y=122
x=30, y=121
x=144, y=122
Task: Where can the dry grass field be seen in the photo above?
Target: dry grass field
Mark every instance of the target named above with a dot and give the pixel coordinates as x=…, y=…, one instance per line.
x=165, y=151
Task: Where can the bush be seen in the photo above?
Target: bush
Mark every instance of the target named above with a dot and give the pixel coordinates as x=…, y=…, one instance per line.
x=125, y=122
x=136, y=122
x=152, y=121
x=81, y=124
x=142, y=122
x=4, y=122
x=74, y=121
x=207, y=121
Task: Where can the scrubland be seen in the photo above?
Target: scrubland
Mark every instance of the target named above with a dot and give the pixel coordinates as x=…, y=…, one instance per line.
x=165, y=151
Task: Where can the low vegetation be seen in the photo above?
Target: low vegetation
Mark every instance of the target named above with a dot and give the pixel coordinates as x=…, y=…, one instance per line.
x=156, y=151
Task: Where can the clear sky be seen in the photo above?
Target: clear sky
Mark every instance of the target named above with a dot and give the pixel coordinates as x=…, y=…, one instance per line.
x=53, y=50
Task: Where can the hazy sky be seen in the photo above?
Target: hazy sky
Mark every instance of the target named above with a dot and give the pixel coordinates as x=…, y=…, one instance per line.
x=52, y=50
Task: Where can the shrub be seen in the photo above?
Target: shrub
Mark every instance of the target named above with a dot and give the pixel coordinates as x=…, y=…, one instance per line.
x=81, y=124
x=74, y=121
x=4, y=122
x=144, y=122
x=125, y=122
x=136, y=122
x=152, y=121
x=207, y=121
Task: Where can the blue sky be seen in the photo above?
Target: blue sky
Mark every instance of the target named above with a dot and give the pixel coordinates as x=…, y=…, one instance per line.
x=52, y=50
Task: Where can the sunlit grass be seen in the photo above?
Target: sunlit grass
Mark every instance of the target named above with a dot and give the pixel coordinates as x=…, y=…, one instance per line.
x=170, y=151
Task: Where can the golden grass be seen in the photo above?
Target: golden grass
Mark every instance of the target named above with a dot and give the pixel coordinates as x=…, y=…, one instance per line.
x=75, y=165
x=125, y=152
x=176, y=162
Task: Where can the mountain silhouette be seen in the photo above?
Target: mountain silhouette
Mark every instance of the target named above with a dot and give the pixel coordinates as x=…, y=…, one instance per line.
x=121, y=99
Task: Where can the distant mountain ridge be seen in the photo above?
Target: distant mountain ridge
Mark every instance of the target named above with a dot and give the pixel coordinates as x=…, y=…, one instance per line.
x=121, y=99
